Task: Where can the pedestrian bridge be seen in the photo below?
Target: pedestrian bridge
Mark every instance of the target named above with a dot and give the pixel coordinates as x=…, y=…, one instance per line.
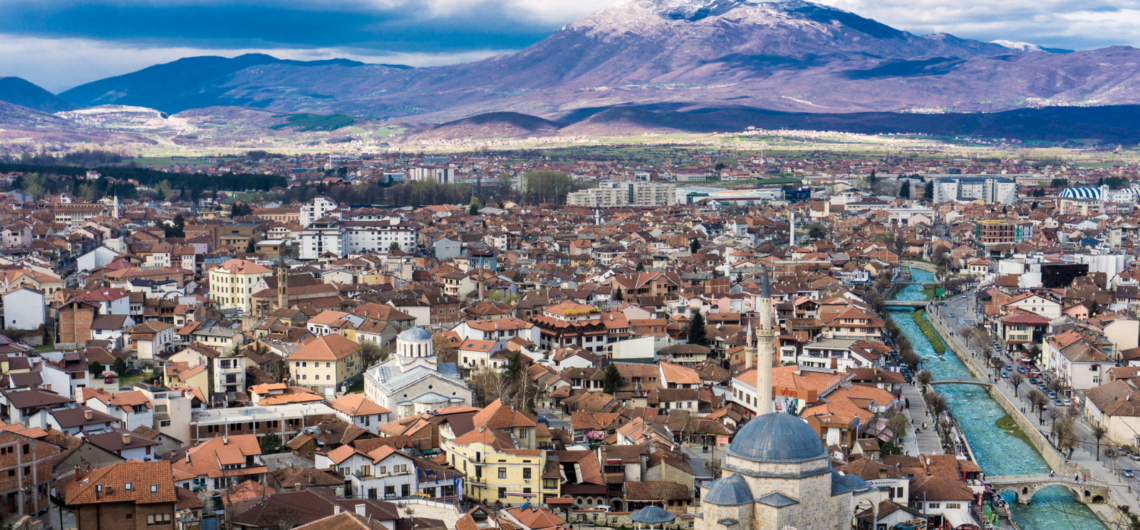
x=1026, y=486
x=906, y=303
x=978, y=382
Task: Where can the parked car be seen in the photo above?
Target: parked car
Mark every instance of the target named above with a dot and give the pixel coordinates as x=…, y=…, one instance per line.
x=108, y=379
x=1051, y=394
x=1058, y=403
x=1127, y=472
x=1004, y=374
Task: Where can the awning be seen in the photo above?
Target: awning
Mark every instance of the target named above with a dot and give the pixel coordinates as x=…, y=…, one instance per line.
x=959, y=519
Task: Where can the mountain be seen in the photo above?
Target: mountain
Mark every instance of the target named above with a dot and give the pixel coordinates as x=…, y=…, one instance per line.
x=194, y=82
x=788, y=56
x=20, y=92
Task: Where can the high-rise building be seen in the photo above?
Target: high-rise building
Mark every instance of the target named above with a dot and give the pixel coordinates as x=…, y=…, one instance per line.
x=624, y=194
x=1001, y=190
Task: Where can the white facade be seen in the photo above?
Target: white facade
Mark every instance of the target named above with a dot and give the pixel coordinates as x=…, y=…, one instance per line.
x=411, y=385
x=1001, y=190
x=23, y=309
x=316, y=209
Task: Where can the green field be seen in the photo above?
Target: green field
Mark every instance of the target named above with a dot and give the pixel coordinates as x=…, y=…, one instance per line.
x=931, y=335
x=315, y=122
x=1006, y=424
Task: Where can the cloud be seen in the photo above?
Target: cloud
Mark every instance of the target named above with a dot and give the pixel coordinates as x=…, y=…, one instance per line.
x=1073, y=24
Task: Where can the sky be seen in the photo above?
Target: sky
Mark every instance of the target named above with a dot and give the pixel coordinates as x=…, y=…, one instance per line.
x=59, y=44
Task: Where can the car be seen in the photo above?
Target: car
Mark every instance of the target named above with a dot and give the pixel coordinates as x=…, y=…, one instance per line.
x=1033, y=381
x=108, y=379
x=1058, y=403
x=605, y=507
x=1127, y=472
x=125, y=389
x=1051, y=394
x=1004, y=374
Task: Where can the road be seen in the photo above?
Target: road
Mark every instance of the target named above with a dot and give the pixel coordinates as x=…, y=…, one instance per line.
x=1101, y=472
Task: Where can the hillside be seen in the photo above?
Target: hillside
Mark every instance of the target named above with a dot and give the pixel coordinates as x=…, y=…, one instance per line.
x=20, y=92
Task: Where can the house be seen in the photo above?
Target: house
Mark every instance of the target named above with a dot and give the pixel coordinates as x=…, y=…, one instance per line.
x=126, y=495
x=497, y=471
x=384, y=473
x=327, y=364
x=131, y=408
x=220, y=462
x=151, y=339
x=358, y=410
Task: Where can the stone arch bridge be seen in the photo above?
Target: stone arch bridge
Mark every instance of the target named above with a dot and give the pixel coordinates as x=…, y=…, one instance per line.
x=1026, y=486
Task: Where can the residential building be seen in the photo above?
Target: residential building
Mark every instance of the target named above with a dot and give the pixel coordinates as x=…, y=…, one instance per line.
x=130, y=495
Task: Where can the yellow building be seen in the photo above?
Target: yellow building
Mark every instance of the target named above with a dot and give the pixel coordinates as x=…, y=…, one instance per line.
x=326, y=364
x=496, y=471
x=182, y=375
x=231, y=283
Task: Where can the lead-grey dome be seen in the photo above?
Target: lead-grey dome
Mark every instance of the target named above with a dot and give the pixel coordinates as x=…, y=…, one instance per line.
x=730, y=491
x=414, y=334
x=777, y=438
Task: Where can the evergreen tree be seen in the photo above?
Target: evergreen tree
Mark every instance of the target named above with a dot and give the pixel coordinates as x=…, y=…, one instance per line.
x=96, y=369
x=694, y=246
x=928, y=192
x=640, y=267
x=120, y=367
x=270, y=444
x=514, y=367
x=475, y=206
x=739, y=277
x=904, y=189
x=618, y=297
x=697, y=330
x=611, y=380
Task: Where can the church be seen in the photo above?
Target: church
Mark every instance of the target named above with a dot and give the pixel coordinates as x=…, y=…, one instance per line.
x=411, y=381
x=776, y=472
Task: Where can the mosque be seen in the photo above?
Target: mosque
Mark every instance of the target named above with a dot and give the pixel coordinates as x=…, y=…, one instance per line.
x=776, y=473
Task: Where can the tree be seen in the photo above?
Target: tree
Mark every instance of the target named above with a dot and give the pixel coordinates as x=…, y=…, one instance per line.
x=240, y=209
x=618, y=297
x=474, y=207
x=817, y=231
x=547, y=186
x=873, y=181
x=1034, y=354
x=1039, y=400
x=694, y=246
x=998, y=365
x=513, y=369
x=444, y=352
x=249, y=247
x=96, y=369
x=928, y=192
x=739, y=277
x=372, y=354
x=897, y=425
x=163, y=189
x=393, y=247
x=120, y=367
x=924, y=378
x=640, y=267
x=611, y=380
x=489, y=386
x=935, y=402
x=33, y=184
x=697, y=330
x=270, y=444
x=1094, y=308
x=1015, y=379
x=1098, y=432
x=904, y=189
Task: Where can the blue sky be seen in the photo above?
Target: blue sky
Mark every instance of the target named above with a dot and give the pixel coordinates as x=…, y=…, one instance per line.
x=59, y=44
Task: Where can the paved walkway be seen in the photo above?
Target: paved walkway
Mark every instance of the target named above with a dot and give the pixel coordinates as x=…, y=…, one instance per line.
x=1099, y=472
x=927, y=441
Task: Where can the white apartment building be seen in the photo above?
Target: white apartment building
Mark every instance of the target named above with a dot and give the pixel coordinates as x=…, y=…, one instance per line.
x=341, y=238
x=621, y=194
x=1001, y=190
x=439, y=174
x=316, y=209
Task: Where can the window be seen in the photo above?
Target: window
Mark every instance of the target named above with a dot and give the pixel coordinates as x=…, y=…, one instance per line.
x=153, y=488
x=526, y=473
x=328, y=365
x=128, y=486
x=158, y=519
x=502, y=472
x=383, y=469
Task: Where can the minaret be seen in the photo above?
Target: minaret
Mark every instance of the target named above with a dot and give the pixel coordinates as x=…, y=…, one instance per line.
x=764, y=337
x=749, y=349
x=792, y=228
x=116, y=213
x=597, y=217
x=282, y=284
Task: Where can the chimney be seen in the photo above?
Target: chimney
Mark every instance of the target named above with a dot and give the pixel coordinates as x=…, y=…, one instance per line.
x=225, y=440
x=88, y=415
x=187, y=457
x=336, y=509
x=360, y=509
x=126, y=439
x=883, y=472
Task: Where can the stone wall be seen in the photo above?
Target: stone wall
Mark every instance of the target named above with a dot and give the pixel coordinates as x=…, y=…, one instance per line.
x=622, y=520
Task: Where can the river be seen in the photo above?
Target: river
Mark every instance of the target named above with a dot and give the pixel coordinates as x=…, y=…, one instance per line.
x=997, y=453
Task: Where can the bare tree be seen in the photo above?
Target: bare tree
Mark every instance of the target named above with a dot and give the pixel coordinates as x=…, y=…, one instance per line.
x=897, y=425
x=489, y=386
x=935, y=402
x=444, y=351
x=1098, y=432
x=1016, y=379
x=924, y=378
x=1039, y=400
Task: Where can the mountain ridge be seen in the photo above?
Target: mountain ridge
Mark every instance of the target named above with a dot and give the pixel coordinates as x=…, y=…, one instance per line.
x=791, y=56
x=24, y=93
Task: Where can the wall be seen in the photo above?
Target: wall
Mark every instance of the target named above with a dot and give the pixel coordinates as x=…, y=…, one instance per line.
x=920, y=265
x=620, y=519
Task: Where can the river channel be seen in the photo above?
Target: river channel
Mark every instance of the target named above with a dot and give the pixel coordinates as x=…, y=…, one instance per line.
x=997, y=453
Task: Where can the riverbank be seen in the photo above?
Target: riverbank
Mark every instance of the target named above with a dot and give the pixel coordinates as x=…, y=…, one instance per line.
x=935, y=340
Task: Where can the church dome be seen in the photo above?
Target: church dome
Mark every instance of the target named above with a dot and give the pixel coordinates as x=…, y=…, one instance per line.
x=414, y=334
x=777, y=438
x=730, y=491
